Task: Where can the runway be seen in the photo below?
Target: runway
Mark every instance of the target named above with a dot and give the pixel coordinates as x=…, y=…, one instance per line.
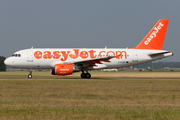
x=90, y=79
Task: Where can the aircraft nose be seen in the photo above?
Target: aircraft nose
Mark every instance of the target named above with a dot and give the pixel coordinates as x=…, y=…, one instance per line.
x=7, y=62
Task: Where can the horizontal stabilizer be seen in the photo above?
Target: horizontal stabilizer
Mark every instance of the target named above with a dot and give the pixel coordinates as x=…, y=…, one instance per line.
x=160, y=53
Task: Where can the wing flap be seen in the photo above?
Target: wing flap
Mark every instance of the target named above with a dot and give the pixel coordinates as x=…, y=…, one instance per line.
x=104, y=59
x=85, y=62
x=93, y=63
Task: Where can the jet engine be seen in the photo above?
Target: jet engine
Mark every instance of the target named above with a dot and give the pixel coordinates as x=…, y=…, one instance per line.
x=63, y=69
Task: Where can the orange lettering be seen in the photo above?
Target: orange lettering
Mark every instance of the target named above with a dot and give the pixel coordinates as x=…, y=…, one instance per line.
x=92, y=53
x=110, y=52
x=84, y=54
x=120, y=54
x=65, y=55
x=76, y=54
x=38, y=54
x=101, y=52
x=56, y=55
x=47, y=55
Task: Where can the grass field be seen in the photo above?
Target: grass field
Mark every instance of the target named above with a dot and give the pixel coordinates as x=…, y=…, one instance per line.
x=101, y=98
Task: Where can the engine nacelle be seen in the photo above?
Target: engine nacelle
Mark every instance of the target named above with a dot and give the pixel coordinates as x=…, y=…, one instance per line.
x=62, y=69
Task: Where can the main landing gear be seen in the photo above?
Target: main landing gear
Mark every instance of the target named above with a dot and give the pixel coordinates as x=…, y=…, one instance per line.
x=85, y=75
x=30, y=74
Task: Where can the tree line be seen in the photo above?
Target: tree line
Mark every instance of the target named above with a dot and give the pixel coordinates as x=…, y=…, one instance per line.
x=2, y=65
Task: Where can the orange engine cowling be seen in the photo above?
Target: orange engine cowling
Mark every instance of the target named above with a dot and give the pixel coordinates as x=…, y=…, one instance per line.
x=62, y=69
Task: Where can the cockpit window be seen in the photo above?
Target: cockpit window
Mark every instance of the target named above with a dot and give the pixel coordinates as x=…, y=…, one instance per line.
x=16, y=55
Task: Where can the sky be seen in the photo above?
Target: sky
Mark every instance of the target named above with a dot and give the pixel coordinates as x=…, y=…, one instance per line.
x=85, y=24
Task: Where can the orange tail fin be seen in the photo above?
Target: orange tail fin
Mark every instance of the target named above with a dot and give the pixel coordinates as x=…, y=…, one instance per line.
x=155, y=38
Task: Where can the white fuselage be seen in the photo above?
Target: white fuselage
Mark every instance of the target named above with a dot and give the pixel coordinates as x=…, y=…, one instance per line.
x=48, y=58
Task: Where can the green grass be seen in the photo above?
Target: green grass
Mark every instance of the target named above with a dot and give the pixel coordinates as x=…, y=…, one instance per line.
x=90, y=99
x=99, y=98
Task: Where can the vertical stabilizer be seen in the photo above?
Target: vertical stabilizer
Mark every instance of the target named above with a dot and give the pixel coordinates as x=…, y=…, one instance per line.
x=154, y=40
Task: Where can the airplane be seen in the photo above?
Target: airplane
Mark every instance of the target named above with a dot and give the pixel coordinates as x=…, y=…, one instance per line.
x=67, y=61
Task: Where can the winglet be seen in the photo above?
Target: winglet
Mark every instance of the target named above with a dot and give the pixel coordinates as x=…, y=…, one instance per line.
x=154, y=40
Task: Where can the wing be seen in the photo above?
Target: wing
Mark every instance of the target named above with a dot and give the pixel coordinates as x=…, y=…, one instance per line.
x=89, y=63
x=96, y=63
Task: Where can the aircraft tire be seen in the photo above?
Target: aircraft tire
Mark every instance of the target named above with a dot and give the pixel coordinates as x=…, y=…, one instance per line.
x=29, y=76
x=83, y=75
x=88, y=75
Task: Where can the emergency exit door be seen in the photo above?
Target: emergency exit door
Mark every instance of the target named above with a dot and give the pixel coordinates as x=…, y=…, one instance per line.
x=30, y=56
x=135, y=56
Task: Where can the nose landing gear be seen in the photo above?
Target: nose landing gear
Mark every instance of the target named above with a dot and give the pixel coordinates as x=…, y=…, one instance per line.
x=30, y=74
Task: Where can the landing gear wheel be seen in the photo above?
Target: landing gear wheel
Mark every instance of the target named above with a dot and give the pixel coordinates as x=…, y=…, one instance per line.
x=83, y=75
x=29, y=76
x=88, y=75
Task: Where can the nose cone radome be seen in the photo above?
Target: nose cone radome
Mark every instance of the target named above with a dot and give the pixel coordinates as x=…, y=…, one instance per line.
x=8, y=62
